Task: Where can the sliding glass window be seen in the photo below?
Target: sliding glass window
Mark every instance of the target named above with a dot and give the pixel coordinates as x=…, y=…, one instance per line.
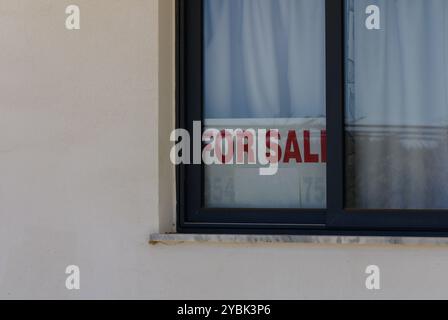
x=264, y=68
x=355, y=94
x=397, y=104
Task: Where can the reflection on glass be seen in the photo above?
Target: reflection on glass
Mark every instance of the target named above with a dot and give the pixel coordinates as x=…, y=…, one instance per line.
x=265, y=68
x=396, y=105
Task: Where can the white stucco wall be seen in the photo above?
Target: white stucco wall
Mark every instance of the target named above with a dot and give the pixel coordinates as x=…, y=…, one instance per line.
x=85, y=175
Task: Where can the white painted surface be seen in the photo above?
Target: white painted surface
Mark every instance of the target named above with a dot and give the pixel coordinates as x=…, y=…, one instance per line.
x=80, y=174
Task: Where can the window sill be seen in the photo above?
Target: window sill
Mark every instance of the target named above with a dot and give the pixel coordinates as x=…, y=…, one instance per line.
x=286, y=239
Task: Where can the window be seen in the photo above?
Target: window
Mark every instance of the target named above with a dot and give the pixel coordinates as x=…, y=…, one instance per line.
x=397, y=110
x=264, y=68
x=348, y=98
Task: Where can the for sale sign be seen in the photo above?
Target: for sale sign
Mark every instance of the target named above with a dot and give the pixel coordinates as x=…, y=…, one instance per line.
x=293, y=149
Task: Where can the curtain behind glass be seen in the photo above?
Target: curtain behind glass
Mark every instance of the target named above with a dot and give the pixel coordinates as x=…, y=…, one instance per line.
x=264, y=58
x=397, y=110
x=264, y=68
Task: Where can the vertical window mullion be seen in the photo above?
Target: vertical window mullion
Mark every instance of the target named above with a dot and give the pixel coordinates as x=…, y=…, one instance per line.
x=335, y=108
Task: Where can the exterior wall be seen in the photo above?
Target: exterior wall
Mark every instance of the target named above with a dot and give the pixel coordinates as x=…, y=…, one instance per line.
x=85, y=175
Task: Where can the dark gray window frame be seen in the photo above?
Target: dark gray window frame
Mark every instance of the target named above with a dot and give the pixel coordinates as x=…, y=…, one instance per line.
x=193, y=217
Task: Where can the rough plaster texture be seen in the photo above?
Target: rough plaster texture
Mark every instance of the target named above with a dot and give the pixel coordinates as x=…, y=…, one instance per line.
x=85, y=176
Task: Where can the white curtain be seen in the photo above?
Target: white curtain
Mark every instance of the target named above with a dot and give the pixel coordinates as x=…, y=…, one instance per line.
x=397, y=110
x=264, y=58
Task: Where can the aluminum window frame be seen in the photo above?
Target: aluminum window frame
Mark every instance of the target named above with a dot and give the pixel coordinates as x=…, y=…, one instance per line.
x=193, y=217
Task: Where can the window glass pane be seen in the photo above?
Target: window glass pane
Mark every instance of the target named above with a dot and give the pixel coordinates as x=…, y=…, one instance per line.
x=264, y=68
x=396, y=104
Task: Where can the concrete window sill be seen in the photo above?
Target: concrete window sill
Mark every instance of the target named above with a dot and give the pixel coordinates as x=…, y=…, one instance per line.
x=285, y=239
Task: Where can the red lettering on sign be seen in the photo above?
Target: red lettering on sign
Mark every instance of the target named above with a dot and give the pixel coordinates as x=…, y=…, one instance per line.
x=295, y=153
x=309, y=157
x=323, y=146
